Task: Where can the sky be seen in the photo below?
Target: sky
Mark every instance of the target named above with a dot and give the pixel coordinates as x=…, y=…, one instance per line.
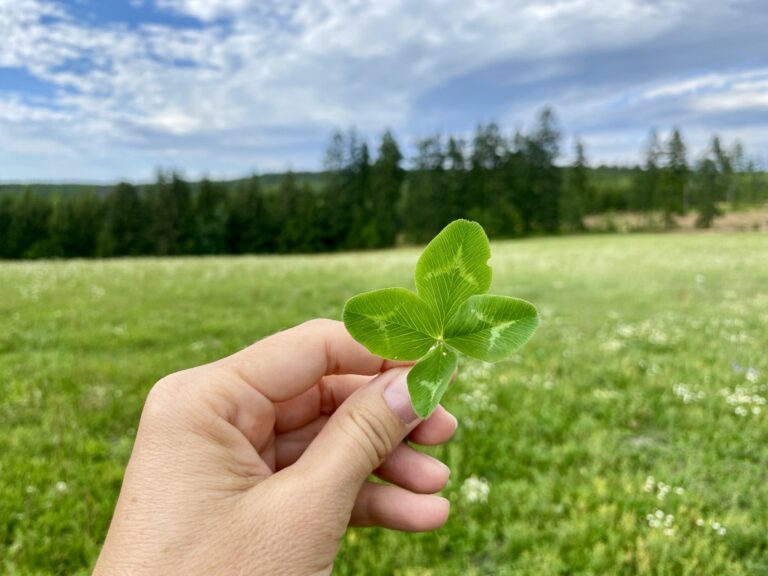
x=103, y=90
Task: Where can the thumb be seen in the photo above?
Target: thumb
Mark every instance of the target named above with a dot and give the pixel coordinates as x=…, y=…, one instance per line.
x=362, y=432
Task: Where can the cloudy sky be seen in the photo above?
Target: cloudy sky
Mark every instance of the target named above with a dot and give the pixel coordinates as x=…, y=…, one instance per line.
x=98, y=90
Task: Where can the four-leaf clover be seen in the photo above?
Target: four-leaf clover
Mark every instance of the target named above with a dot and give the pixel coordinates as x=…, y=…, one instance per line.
x=451, y=313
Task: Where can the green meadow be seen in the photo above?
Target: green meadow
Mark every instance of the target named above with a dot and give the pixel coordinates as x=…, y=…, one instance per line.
x=630, y=436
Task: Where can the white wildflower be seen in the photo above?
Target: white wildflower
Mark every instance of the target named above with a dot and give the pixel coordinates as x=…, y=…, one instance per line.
x=650, y=484
x=662, y=521
x=688, y=394
x=611, y=345
x=476, y=490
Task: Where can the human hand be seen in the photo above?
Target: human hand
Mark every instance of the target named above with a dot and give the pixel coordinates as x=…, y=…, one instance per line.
x=257, y=463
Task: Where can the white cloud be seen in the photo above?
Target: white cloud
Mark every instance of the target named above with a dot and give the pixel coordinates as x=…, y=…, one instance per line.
x=742, y=96
x=265, y=73
x=207, y=10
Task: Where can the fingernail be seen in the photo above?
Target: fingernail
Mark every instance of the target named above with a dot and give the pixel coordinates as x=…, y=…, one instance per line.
x=442, y=466
x=399, y=400
x=455, y=421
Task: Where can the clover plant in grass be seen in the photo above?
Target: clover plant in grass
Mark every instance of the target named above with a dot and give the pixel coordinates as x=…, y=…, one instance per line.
x=450, y=313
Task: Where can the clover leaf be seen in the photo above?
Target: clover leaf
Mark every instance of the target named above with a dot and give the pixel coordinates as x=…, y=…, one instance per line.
x=450, y=313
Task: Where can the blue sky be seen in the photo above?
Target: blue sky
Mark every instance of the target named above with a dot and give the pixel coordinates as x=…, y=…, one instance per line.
x=100, y=90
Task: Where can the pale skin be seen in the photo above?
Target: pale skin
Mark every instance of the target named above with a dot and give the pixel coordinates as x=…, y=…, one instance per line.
x=259, y=462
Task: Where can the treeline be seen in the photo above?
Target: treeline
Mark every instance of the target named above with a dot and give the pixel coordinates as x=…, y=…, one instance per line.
x=512, y=185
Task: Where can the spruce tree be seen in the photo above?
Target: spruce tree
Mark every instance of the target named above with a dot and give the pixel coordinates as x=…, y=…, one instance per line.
x=675, y=178
x=173, y=222
x=387, y=177
x=126, y=223
x=540, y=206
x=75, y=225
x=708, y=185
x=27, y=234
x=295, y=216
x=576, y=195
x=458, y=200
x=489, y=195
x=423, y=205
x=210, y=218
x=249, y=226
x=646, y=193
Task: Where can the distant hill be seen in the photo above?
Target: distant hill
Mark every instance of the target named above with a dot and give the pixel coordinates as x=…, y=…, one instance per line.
x=268, y=181
x=611, y=184
x=56, y=189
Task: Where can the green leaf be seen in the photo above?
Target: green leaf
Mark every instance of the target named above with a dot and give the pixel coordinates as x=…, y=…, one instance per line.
x=429, y=378
x=393, y=323
x=454, y=267
x=490, y=327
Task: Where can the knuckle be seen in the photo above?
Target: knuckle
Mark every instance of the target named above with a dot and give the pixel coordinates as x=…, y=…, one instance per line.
x=166, y=396
x=319, y=324
x=371, y=433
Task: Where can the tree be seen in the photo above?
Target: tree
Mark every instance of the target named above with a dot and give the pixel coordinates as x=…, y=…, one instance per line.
x=707, y=187
x=490, y=199
x=386, y=184
x=675, y=178
x=172, y=216
x=363, y=232
x=126, y=223
x=458, y=199
x=27, y=234
x=754, y=184
x=6, y=219
x=249, y=226
x=344, y=197
x=577, y=192
x=211, y=219
x=646, y=194
x=724, y=166
x=424, y=207
x=74, y=226
x=295, y=217
x=540, y=206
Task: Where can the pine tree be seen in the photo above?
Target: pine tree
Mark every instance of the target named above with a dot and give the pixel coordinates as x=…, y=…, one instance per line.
x=646, y=191
x=74, y=226
x=341, y=207
x=577, y=193
x=211, y=218
x=386, y=184
x=363, y=232
x=675, y=178
x=489, y=195
x=172, y=220
x=6, y=218
x=27, y=234
x=540, y=206
x=423, y=206
x=126, y=223
x=738, y=167
x=458, y=200
x=724, y=166
x=295, y=217
x=708, y=186
x=249, y=227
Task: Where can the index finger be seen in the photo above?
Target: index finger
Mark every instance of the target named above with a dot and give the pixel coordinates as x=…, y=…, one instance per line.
x=286, y=364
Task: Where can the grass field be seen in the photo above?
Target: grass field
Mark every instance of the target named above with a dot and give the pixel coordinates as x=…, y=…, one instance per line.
x=629, y=437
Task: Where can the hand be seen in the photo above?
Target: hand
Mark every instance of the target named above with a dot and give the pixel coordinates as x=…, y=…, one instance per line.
x=257, y=463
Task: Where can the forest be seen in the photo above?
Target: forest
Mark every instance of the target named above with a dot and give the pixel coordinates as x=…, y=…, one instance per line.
x=513, y=185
